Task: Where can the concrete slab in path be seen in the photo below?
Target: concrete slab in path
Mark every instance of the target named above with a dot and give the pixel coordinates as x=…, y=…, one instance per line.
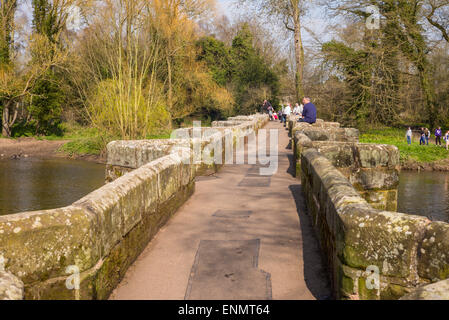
x=240, y=236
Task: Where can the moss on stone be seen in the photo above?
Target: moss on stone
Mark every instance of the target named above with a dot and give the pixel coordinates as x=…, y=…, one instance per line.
x=393, y=292
x=365, y=293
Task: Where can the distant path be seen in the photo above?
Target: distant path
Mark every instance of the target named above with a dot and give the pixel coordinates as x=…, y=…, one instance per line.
x=240, y=236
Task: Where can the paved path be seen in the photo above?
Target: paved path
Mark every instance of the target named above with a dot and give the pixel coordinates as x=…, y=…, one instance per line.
x=240, y=236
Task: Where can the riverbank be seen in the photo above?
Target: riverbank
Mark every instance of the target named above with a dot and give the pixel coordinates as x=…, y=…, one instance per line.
x=412, y=165
x=414, y=157
x=22, y=148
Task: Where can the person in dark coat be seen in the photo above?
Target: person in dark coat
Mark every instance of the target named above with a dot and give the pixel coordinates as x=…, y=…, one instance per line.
x=309, y=113
x=266, y=105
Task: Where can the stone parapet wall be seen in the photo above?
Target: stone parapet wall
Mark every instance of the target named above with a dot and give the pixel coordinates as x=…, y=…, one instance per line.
x=294, y=125
x=125, y=156
x=98, y=237
x=434, y=291
x=372, y=169
x=408, y=251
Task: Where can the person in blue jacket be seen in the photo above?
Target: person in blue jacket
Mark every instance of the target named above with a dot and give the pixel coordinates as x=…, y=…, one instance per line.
x=309, y=112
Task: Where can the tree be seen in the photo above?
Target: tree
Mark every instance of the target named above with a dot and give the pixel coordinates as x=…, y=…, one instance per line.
x=46, y=103
x=7, y=12
x=403, y=33
x=46, y=95
x=16, y=84
x=241, y=67
x=291, y=12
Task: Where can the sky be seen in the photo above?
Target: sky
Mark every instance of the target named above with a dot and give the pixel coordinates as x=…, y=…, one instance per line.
x=316, y=20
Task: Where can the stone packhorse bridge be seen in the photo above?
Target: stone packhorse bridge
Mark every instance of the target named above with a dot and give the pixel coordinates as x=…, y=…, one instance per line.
x=236, y=234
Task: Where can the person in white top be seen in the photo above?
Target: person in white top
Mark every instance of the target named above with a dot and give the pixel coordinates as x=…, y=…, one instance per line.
x=296, y=109
x=409, y=136
x=287, y=112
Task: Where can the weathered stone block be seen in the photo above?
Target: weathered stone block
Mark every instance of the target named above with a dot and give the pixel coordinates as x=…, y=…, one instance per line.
x=41, y=245
x=106, y=205
x=435, y=291
x=375, y=178
x=11, y=288
x=433, y=254
x=332, y=134
x=57, y=289
x=365, y=293
x=382, y=200
x=386, y=240
x=391, y=291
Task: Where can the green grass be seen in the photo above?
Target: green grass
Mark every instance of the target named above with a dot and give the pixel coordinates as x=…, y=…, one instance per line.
x=83, y=140
x=88, y=141
x=415, y=152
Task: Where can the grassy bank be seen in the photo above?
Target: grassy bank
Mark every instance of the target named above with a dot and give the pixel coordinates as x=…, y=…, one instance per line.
x=86, y=140
x=397, y=137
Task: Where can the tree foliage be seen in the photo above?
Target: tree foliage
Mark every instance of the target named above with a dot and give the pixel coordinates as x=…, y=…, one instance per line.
x=242, y=68
x=382, y=67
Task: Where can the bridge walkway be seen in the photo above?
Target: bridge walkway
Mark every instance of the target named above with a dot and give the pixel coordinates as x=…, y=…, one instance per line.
x=240, y=236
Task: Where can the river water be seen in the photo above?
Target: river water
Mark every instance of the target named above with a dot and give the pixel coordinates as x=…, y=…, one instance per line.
x=425, y=194
x=31, y=184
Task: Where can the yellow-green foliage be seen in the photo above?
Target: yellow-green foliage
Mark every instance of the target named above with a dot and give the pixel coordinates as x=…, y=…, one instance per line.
x=124, y=110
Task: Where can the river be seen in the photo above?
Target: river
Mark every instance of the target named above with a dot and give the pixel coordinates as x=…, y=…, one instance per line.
x=425, y=194
x=31, y=184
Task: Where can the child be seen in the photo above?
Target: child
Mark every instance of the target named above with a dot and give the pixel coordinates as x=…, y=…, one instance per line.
x=275, y=115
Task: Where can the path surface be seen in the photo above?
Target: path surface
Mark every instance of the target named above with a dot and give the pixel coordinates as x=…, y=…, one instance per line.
x=240, y=236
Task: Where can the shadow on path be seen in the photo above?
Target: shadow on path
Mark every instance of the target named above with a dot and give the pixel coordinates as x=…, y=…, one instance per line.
x=316, y=274
x=292, y=167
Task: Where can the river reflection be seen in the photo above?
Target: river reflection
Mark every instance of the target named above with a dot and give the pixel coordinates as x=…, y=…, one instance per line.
x=425, y=194
x=31, y=184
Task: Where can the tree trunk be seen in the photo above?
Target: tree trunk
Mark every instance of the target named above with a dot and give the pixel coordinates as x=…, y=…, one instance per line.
x=170, y=84
x=8, y=119
x=299, y=57
x=429, y=96
x=6, y=130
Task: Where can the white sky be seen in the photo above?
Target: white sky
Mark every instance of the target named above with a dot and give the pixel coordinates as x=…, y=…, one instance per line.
x=315, y=20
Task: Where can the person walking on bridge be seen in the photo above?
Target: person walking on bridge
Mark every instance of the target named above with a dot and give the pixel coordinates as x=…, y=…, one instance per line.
x=309, y=113
x=266, y=105
x=286, y=113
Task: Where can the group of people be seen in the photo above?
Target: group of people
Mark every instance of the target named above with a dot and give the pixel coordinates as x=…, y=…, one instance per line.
x=425, y=136
x=306, y=111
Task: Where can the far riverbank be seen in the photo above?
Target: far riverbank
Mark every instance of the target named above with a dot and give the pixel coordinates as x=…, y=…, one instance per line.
x=414, y=157
x=22, y=148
